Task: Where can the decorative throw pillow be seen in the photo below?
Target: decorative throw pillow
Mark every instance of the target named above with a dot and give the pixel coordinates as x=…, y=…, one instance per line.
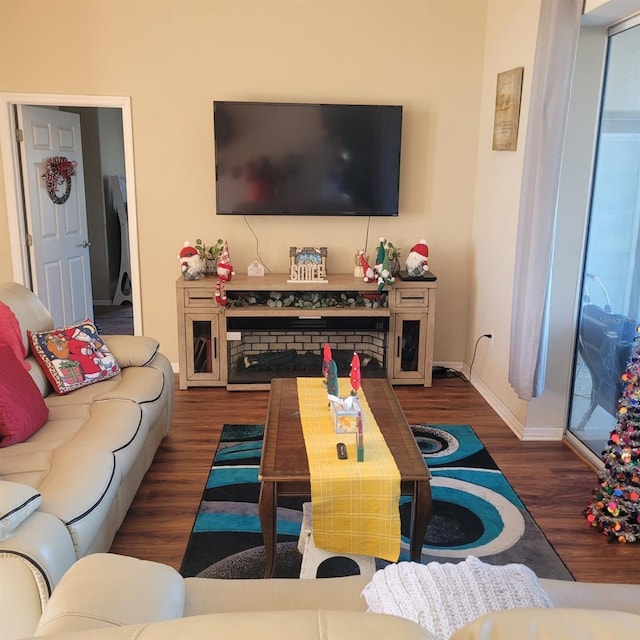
x=11, y=335
x=73, y=357
x=22, y=408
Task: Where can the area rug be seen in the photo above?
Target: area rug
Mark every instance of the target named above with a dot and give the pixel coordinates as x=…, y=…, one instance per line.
x=475, y=512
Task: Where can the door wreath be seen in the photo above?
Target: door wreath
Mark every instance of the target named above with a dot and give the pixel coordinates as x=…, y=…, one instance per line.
x=58, y=172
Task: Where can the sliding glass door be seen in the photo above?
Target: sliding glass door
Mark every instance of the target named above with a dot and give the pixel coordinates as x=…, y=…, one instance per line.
x=610, y=298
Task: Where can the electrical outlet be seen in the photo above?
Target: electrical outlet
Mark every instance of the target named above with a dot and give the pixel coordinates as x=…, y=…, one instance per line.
x=491, y=334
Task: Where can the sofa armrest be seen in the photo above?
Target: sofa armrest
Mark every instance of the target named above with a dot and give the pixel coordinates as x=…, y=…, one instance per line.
x=23, y=595
x=46, y=542
x=17, y=502
x=104, y=590
x=132, y=351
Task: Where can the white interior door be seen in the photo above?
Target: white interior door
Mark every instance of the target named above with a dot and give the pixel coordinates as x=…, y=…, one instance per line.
x=59, y=246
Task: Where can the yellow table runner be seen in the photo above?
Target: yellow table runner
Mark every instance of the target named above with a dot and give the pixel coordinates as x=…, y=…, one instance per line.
x=355, y=504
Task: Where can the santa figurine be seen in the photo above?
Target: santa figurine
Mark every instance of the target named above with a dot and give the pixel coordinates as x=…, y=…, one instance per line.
x=225, y=273
x=191, y=264
x=418, y=260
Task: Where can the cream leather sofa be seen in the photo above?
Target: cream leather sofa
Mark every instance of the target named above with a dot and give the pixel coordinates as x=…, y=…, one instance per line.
x=84, y=465
x=112, y=597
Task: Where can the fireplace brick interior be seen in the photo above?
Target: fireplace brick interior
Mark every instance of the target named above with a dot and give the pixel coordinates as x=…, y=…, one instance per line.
x=288, y=351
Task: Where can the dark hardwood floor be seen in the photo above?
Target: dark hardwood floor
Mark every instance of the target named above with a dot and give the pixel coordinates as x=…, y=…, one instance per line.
x=552, y=481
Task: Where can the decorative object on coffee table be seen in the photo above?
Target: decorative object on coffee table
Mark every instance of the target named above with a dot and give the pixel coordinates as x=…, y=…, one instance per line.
x=326, y=358
x=307, y=264
x=355, y=375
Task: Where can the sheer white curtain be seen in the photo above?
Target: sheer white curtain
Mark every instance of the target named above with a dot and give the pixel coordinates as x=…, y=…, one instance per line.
x=551, y=87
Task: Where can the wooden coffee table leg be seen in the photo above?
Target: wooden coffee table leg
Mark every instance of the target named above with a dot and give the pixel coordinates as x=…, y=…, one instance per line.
x=267, y=507
x=420, y=514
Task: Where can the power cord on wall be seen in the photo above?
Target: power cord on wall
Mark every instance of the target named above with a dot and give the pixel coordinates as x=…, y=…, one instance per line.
x=366, y=240
x=475, y=348
x=257, y=244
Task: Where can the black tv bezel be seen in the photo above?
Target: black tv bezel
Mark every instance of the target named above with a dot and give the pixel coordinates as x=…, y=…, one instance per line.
x=373, y=214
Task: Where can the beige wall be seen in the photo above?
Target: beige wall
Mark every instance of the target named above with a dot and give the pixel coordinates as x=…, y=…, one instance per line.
x=511, y=32
x=438, y=59
x=175, y=57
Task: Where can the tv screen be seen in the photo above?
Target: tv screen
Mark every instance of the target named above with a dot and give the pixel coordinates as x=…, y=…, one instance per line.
x=307, y=159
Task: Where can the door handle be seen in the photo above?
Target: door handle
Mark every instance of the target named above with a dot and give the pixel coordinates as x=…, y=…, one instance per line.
x=84, y=244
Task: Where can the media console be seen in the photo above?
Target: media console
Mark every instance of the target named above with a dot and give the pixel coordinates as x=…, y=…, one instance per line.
x=274, y=328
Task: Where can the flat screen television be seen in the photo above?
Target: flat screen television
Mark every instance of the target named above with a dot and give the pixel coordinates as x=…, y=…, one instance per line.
x=307, y=159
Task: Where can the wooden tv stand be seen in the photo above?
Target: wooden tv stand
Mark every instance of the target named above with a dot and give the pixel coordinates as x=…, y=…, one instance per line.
x=206, y=333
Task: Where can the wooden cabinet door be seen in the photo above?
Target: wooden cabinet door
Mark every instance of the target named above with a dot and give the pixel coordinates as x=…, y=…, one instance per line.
x=408, y=347
x=203, y=348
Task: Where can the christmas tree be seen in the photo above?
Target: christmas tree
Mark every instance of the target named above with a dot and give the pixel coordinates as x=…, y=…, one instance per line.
x=615, y=506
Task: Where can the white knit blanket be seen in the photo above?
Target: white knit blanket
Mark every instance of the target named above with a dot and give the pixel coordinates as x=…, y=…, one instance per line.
x=444, y=597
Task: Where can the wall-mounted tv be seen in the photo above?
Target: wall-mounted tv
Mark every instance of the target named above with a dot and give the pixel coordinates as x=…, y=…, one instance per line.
x=307, y=159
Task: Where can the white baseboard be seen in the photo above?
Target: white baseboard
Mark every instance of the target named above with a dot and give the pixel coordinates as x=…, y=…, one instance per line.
x=494, y=402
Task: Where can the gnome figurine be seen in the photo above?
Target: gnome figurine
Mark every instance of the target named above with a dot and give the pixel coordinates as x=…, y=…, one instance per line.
x=367, y=271
x=418, y=260
x=225, y=273
x=381, y=269
x=191, y=264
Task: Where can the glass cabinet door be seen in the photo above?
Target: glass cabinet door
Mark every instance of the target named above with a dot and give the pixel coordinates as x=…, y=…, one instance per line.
x=409, y=346
x=203, y=357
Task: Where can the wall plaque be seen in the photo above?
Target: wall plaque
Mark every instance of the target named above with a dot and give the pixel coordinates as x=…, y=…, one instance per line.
x=507, y=114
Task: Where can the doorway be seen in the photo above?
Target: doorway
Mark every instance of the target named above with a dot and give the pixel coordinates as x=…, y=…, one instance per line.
x=15, y=202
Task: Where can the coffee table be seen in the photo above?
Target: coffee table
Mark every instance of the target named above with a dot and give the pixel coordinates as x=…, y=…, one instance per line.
x=284, y=467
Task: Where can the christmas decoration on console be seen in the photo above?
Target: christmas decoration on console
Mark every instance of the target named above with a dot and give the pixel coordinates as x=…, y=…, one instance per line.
x=417, y=261
x=225, y=273
x=58, y=172
x=368, y=274
x=191, y=265
x=381, y=269
x=615, y=505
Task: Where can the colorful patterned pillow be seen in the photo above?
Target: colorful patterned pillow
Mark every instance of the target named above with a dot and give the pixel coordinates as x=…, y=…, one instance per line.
x=73, y=357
